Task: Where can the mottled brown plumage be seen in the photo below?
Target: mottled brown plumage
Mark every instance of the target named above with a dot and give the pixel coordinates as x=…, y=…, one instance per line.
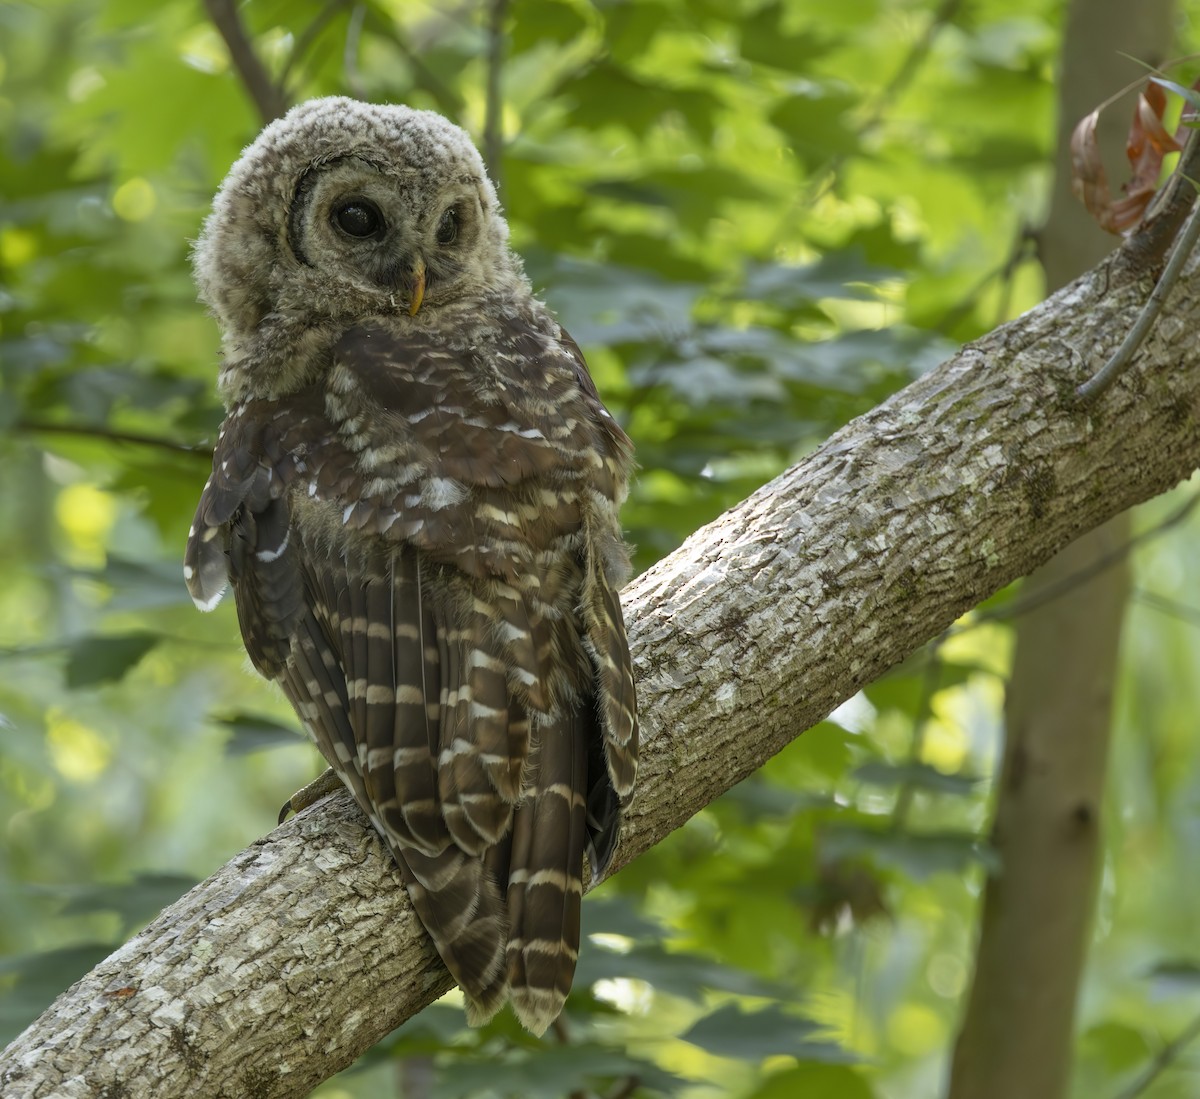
x=415, y=498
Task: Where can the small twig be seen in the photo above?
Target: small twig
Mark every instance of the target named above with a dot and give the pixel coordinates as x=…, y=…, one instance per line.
x=37, y=427
x=1163, y=1060
x=493, y=119
x=267, y=96
x=1182, y=249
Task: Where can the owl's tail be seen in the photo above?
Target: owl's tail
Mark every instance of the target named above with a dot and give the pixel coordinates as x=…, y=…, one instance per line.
x=545, y=882
x=461, y=907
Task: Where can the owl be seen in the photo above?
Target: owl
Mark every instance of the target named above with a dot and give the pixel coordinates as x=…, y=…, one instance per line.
x=414, y=498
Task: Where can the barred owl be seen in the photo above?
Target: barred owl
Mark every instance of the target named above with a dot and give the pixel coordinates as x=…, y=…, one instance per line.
x=414, y=498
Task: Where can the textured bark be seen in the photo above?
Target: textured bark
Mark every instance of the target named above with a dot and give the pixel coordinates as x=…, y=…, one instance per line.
x=1017, y=1035
x=300, y=953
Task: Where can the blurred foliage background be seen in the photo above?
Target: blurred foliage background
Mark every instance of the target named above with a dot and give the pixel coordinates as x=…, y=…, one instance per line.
x=758, y=217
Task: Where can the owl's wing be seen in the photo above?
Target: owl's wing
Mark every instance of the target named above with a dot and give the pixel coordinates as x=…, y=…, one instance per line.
x=376, y=654
x=605, y=624
x=546, y=469
x=417, y=649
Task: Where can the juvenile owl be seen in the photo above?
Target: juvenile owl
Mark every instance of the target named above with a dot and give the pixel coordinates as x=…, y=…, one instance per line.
x=414, y=496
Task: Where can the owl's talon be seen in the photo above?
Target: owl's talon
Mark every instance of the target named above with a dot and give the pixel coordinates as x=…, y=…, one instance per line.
x=328, y=783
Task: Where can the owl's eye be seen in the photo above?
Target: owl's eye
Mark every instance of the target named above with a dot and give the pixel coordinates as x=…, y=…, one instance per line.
x=447, y=228
x=357, y=217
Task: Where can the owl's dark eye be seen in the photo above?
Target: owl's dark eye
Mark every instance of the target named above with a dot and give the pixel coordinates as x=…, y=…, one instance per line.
x=447, y=228
x=357, y=217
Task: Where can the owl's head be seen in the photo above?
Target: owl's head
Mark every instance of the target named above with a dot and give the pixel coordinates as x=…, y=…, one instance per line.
x=342, y=209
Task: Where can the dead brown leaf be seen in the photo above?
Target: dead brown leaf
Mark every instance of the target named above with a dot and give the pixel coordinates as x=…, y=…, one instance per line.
x=1148, y=143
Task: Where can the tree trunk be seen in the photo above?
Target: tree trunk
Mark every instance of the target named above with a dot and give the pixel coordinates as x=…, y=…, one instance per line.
x=1018, y=1029
x=302, y=951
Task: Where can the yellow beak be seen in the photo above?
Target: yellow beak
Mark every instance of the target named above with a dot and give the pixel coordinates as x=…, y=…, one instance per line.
x=418, y=287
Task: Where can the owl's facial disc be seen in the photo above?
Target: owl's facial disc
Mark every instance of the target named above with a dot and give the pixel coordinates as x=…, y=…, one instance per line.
x=387, y=230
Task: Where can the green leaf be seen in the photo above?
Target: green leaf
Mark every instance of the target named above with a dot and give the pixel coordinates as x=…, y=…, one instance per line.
x=138, y=585
x=843, y=274
x=438, y=1027
x=136, y=902
x=767, y=39
x=1119, y=1046
x=549, y=1072
x=903, y=687
x=609, y=93
x=921, y=776
x=608, y=305
x=753, y=1036
x=701, y=379
x=918, y=855
x=253, y=733
x=95, y=660
x=687, y=975
x=758, y=799
x=615, y=914
x=542, y=21
x=816, y=119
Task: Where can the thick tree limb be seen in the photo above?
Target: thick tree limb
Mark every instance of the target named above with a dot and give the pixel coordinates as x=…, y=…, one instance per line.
x=300, y=953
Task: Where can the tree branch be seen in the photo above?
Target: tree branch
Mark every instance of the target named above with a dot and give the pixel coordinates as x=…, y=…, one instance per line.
x=268, y=97
x=303, y=951
x=111, y=435
x=493, y=121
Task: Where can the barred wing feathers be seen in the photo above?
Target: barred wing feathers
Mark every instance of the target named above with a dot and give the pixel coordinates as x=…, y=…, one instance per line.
x=424, y=552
